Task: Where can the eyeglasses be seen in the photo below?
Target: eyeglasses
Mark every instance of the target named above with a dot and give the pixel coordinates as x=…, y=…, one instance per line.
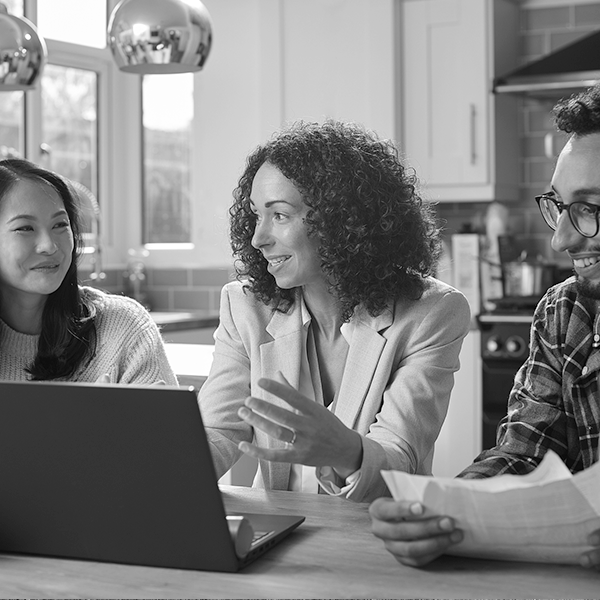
x=583, y=215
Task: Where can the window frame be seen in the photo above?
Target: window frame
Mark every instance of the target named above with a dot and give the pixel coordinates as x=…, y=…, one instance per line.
x=99, y=61
x=120, y=153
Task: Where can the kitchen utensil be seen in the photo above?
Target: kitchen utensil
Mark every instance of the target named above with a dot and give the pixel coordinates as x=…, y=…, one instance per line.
x=526, y=277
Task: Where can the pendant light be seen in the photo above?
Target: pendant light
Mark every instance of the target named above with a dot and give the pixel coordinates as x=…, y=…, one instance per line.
x=22, y=53
x=160, y=36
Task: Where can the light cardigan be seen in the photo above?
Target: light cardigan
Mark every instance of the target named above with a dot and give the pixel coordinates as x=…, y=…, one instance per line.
x=394, y=391
x=129, y=347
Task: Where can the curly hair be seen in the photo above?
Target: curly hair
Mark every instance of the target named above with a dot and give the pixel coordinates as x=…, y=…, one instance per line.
x=377, y=239
x=68, y=326
x=580, y=113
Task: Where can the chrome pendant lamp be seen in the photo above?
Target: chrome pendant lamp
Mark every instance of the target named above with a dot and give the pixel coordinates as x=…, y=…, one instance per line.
x=22, y=53
x=160, y=36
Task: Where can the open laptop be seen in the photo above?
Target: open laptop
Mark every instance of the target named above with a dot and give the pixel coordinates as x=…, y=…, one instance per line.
x=121, y=474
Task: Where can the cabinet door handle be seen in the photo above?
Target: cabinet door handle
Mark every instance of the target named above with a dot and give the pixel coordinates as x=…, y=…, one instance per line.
x=473, y=131
x=549, y=145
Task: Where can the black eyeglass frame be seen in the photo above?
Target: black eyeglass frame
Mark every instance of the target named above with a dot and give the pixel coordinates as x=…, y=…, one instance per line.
x=562, y=206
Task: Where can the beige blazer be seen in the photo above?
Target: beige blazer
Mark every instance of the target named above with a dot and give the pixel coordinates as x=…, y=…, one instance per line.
x=394, y=391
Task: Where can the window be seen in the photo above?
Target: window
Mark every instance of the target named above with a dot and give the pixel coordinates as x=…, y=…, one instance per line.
x=12, y=134
x=92, y=123
x=69, y=130
x=80, y=22
x=168, y=112
x=64, y=123
x=69, y=122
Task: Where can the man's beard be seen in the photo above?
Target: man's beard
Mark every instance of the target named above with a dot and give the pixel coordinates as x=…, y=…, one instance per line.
x=588, y=289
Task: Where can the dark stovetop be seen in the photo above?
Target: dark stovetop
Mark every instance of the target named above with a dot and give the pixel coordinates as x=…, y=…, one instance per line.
x=516, y=309
x=516, y=304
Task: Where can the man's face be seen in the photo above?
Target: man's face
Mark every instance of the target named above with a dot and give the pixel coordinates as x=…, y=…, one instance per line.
x=577, y=178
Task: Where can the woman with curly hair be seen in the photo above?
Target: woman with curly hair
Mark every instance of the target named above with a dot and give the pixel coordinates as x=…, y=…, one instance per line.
x=336, y=347
x=51, y=328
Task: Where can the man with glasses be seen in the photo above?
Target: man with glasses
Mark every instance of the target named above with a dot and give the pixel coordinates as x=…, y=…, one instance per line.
x=555, y=400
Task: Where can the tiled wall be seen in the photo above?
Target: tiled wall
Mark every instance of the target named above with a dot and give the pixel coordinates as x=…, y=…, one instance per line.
x=171, y=289
x=186, y=289
x=543, y=29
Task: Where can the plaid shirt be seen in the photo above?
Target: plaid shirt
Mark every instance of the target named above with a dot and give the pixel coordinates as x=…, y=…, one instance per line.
x=555, y=401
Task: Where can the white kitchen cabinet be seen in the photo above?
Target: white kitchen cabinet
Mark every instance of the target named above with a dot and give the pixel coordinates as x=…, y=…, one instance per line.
x=329, y=59
x=459, y=441
x=460, y=137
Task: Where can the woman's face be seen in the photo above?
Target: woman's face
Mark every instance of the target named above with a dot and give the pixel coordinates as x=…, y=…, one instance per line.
x=281, y=233
x=36, y=240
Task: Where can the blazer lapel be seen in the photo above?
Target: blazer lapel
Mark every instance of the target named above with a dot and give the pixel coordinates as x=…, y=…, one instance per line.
x=366, y=345
x=284, y=354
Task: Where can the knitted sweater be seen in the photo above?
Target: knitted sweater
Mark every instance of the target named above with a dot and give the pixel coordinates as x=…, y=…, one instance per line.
x=129, y=347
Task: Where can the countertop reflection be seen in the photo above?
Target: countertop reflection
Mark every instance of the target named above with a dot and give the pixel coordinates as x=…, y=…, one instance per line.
x=181, y=320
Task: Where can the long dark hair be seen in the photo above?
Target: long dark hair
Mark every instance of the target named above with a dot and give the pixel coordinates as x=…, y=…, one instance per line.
x=377, y=239
x=68, y=333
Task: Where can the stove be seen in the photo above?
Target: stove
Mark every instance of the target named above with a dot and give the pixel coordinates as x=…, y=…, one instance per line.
x=505, y=336
x=504, y=349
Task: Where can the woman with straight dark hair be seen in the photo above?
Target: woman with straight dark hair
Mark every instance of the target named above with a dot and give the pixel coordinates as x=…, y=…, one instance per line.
x=336, y=349
x=51, y=328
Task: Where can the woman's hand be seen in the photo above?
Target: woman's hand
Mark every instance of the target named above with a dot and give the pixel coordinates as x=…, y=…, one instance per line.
x=313, y=434
x=409, y=534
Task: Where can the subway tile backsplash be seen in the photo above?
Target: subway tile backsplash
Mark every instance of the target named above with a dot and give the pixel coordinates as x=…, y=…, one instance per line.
x=171, y=289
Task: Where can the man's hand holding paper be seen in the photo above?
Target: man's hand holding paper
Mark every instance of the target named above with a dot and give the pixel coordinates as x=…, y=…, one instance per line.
x=548, y=515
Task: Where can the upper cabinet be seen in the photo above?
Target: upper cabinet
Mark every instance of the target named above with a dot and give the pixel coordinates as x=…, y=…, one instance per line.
x=460, y=137
x=329, y=59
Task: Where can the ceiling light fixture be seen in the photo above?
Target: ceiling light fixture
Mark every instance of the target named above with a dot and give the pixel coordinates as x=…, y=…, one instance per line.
x=22, y=53
x=160, y=36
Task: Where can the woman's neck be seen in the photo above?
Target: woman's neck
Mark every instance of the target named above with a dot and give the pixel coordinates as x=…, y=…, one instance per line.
x=324, y=309
x=23, y=314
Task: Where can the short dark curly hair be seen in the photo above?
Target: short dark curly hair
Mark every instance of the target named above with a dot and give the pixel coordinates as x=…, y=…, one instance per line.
x=580, y=113
x=377, y=239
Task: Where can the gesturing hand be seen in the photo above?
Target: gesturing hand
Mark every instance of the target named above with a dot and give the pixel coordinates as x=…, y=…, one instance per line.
x=314, y=435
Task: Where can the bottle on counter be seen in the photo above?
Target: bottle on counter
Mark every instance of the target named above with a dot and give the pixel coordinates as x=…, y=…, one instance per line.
x=134, y=277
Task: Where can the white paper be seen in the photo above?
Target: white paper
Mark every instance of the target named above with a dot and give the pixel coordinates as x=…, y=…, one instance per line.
x=544, y=516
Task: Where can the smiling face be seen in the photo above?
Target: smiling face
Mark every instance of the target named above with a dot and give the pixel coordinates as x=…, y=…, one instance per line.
x=577, y=177
x=281, y=233
x=36, y=241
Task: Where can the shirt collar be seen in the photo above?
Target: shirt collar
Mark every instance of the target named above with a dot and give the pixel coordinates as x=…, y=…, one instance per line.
x=346, y=329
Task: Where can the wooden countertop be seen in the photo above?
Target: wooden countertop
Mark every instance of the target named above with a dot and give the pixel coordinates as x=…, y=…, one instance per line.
x=331, y=555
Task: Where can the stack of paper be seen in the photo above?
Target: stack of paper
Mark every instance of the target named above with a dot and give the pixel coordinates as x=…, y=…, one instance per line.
x=544, y=516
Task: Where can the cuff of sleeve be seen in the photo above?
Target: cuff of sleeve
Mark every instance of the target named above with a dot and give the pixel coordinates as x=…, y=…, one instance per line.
x=333, y=484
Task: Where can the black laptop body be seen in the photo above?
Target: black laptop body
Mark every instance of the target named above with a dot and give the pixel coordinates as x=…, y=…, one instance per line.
x=115, y=473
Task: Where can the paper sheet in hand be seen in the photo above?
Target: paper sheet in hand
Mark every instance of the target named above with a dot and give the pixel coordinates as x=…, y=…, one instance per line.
x=544, y=516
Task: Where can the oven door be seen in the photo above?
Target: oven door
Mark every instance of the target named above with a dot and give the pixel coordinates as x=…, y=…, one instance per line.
x=504, y=349
x=496, y=383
